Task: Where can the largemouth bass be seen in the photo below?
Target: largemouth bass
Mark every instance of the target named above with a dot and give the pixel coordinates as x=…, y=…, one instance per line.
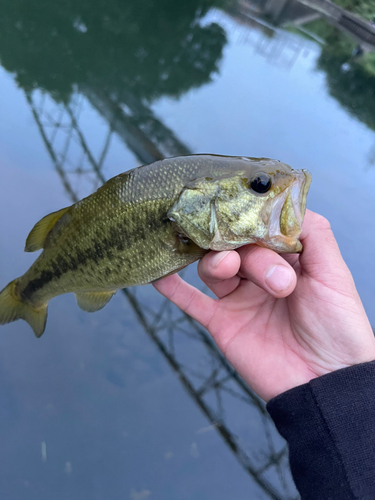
x=153, y=221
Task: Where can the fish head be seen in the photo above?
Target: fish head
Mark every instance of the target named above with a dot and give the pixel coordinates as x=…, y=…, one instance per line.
x=259, y=201
x=264, y=204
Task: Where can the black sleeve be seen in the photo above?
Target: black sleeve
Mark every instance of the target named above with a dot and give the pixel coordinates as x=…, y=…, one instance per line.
x=329, y=425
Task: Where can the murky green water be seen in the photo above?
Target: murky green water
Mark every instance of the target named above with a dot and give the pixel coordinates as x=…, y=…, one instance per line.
x=134, y=401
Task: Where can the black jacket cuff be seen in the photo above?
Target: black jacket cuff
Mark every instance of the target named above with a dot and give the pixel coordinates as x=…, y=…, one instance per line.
x=329, y=424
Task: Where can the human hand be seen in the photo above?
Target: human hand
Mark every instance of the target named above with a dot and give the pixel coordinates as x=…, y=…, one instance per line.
x=280, y=326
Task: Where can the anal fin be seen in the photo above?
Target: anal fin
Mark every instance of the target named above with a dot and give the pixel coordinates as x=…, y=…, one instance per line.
x=38, y=234
x=93, y=301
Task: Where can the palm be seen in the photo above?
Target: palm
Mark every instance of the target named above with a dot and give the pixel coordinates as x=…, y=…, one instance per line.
x=279, y=342
x=278, y=335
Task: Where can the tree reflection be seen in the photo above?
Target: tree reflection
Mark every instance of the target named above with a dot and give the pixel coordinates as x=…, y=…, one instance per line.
x=350, y=72
x=350, y=80
x=346, y=58
x=147, y=47
x=351, y=85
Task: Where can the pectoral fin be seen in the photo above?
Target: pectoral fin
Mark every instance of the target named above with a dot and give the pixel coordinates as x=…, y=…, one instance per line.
x=38, y=234
x=93, y=301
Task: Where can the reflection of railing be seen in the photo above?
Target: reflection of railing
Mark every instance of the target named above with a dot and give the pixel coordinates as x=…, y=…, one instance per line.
x=299, y=12
x=358, y=28
x=189, y=350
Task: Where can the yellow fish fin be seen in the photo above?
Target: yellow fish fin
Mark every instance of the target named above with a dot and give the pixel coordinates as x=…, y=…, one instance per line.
x=12, y=308
x=93, y=301
x=38, y=234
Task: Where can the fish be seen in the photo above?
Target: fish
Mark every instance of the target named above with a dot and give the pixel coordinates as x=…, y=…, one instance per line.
x=152, y=221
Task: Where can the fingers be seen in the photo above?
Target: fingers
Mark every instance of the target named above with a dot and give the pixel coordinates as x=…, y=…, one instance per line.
x=190, y=300
x=222, y=271
x=268, y=270
x=291, y=258
x=218, y=270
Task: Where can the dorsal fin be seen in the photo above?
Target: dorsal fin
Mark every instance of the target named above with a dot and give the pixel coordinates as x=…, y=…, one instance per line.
x=38, y=234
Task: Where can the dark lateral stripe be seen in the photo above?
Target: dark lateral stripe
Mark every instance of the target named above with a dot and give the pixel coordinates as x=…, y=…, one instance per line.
x=118, y=240
x=37, y=283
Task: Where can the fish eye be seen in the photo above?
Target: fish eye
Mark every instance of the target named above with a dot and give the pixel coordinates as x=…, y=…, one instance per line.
x=261, y=183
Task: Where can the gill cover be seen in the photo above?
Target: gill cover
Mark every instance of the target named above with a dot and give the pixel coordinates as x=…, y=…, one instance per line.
x=196, y=214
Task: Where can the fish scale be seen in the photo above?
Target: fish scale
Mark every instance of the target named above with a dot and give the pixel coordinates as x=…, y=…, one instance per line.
x=116, y=227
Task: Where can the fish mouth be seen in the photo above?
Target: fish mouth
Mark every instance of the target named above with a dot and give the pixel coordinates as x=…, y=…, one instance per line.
x=287, y=214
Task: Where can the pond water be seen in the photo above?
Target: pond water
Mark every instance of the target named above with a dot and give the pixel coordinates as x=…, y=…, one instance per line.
x=134, y=401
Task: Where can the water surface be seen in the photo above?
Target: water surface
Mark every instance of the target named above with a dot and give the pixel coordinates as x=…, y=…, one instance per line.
x=134, y=401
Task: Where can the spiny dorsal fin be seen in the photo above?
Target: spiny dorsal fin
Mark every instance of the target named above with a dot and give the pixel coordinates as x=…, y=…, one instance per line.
x=93, y=301
x=38, y=234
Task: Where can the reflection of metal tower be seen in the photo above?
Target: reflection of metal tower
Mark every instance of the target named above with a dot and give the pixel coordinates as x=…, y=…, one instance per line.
x=189, y=350
x=133, y=122
x=138, y=127
x=277, y=46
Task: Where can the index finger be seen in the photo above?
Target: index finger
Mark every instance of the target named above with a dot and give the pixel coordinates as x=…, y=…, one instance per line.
x=218, y=270
x=188, y=298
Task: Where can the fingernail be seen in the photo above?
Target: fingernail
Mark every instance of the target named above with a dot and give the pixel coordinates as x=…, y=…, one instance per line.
x=278, y=278
x=217, y=258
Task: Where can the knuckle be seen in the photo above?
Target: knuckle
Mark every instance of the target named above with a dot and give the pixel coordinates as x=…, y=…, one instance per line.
x=321, y=222
x=204, y=270
x=250, y=259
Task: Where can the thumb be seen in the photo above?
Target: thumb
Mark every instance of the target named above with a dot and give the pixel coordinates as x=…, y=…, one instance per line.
x=321, y=258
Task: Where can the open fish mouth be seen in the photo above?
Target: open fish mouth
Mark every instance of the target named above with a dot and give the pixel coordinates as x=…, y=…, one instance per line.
x=288, y=212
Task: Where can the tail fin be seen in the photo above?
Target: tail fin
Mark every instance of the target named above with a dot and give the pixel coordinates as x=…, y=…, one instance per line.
x=12, y=308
